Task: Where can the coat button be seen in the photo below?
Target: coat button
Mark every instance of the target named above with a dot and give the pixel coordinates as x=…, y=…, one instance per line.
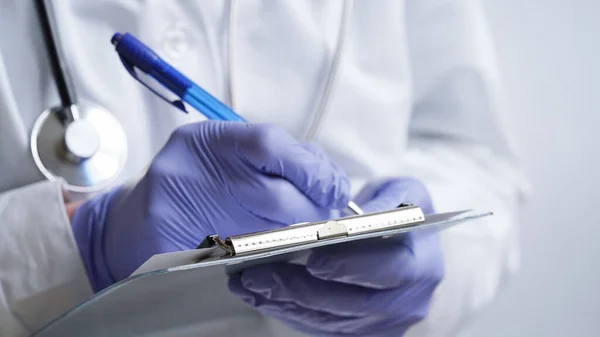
x=176, y=42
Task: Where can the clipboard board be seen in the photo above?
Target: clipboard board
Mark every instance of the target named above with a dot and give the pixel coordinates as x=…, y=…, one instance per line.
x=164, y=286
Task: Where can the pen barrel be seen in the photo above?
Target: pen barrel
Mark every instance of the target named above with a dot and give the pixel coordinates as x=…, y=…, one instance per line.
x=138, y=55
x=60, y=70
x=210, y=106
x=170, y=77
x=146, y=60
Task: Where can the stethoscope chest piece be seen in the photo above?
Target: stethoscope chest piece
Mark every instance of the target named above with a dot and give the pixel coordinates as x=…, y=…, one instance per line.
x=84, y=145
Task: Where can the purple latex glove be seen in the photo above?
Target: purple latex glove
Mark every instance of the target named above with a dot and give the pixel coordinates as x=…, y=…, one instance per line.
x=377, y=287
x=212, y=177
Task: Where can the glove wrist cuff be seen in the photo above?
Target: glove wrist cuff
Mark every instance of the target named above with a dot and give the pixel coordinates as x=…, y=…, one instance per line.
x=88, y=224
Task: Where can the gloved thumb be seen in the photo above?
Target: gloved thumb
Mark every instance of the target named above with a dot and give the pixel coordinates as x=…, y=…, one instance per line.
x=390, y=193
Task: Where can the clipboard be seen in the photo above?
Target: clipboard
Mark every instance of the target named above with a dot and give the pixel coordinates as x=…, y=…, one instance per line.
x=167, y=282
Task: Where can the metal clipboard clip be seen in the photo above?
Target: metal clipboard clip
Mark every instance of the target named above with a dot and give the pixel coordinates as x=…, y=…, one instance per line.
x=405, y=215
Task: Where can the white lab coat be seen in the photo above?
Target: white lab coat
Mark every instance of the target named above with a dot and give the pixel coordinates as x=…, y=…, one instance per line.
x=416, y=93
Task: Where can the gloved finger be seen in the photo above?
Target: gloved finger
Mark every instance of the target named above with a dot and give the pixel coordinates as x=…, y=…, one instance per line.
x=368, y=193
x=314, y=322
x=314, y=149
x=390, y=193
x=277, y=200
x=319, y=152
x=273, y=151
x=294, y=284
x=381, y=263
x=307, y=319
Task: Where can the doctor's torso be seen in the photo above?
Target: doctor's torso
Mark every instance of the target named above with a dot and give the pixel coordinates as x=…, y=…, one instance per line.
x=281, y=55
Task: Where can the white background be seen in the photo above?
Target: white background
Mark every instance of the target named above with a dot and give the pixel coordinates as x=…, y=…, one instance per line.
x=549, y=52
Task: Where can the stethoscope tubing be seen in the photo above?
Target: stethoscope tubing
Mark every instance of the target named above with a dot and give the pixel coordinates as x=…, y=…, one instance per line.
x=60, y=71
x=78, y=142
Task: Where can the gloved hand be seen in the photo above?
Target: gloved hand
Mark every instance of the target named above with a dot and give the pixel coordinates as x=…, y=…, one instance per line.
x=212, y=177
x=377, y=287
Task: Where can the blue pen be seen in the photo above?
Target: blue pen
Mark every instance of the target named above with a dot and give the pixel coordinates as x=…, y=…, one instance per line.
x=136, y=55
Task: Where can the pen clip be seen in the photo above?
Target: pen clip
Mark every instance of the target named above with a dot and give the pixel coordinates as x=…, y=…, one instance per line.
x=130, y=68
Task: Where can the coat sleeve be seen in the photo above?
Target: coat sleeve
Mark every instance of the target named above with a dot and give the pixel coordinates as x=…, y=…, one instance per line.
x=460, y=148
x=41, y=272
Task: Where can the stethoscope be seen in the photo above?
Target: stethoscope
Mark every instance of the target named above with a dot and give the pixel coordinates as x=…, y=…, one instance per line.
x=80, y=143
x=84, y=145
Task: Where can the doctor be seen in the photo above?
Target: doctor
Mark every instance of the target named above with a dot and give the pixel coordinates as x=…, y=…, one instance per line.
x=412, y=114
